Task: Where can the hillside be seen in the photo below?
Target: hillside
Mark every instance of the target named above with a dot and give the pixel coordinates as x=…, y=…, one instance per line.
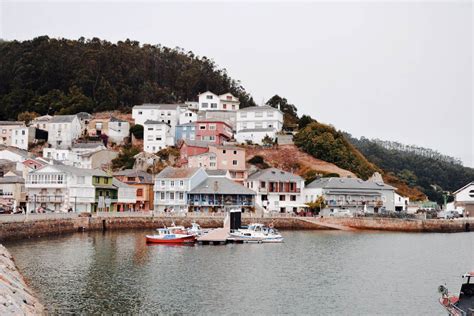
x=432, y=172
x=300, y=162
x=47, y=75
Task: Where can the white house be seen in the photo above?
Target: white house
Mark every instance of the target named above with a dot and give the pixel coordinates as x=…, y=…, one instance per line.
x=172, y=186
x=61, y=188
x=63, y=130
x=7, y=130
x=277, y=190
x=259, y=117
x=118, y=130
x=126, y=196
x=186, y=116
x=255, y=135
x=464, y=198
x=165, y=113
x=156, y=136
x=401, y=202
x=41, y=122
x=209, y=101
x=352, y=194
x=22, y=136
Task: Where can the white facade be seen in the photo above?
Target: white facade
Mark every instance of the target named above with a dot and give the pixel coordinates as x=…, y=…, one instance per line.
x=156, y=136
x=22, y=136
x=258, y=117
x=209, y=101
x=277, y=190
x=59, y=189
x=63, y=130
x=57, y=154
x=465, y=194
x=186, y=116
x=254, y=135
x=118, y=131
x=401, y=202
x=165, y=113
x=41, y=122
x=172, y=186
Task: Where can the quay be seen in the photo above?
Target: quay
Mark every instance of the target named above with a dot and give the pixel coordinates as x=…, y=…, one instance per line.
x=20, y=226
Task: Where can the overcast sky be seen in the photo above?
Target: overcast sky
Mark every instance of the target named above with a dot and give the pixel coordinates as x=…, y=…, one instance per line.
x=391, y=70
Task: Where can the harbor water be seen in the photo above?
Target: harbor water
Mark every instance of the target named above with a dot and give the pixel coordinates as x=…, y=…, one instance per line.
x=312, y=272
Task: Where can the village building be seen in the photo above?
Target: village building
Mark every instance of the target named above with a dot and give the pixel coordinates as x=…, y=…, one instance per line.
x=230, y=158
x=219, y=194
x=213, y=131
x=185, y=131
x=117, y=130
x=186, y=115
x=219, y=115
x=17, y=155
x=165, y=113
x=7, y=129
x=126, y=196
x=277, y=190
x=464, y=198
x=190, y=148
x=23, y=136
x=401, y=202
x=12, y=191
x=172, y=186
x=63, y=130
x=41, y=122
x=156, y=136
x=256, y=122
x=209, y=101
x=352, y=194
x=143, y=183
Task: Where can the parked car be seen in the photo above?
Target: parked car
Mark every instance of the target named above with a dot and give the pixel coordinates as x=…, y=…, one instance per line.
x=448, y=214
x=340, y=213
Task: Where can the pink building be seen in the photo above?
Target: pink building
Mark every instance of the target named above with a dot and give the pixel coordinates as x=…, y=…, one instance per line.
x=213, y=131
x=192, y=148
x=218, y=157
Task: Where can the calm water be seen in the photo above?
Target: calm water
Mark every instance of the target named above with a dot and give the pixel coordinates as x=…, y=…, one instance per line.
x=321, y=273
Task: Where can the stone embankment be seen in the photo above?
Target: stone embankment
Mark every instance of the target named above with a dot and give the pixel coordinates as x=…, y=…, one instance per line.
x=33, y=226
x=16, y=298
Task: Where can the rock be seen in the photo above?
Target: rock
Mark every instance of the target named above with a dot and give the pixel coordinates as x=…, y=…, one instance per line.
x=16, y=298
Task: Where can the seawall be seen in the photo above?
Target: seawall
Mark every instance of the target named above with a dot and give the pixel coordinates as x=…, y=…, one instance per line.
x=16, y=298
x=21, y=227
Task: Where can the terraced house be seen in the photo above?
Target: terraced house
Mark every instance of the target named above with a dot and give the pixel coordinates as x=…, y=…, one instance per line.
x=143, y=183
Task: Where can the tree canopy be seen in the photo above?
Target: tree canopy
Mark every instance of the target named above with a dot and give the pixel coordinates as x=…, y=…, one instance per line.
x=52, y=76
x=290, y=116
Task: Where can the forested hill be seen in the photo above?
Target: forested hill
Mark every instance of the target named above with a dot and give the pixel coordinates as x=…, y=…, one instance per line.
x=416, y=166
x=47, y=75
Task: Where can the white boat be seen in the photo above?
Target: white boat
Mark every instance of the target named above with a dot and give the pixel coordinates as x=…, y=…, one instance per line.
x=257, y=233
x=196, y=230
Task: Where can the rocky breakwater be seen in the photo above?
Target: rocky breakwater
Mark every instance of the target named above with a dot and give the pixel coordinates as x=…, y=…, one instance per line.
x=16, y=298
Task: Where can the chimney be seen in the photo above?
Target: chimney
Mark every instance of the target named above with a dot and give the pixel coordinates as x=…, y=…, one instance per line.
x=216, y=186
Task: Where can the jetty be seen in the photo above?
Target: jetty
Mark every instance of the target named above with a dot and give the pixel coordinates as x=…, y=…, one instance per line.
x=216, y=236
x=319, y=222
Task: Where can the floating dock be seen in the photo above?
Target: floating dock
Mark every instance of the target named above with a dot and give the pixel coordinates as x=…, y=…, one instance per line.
x=216, y=236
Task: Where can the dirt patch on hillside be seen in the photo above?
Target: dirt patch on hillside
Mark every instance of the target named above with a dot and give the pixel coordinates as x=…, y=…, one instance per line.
x=290, y=158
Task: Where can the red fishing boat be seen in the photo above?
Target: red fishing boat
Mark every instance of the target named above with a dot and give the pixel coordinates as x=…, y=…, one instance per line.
x=174, y=235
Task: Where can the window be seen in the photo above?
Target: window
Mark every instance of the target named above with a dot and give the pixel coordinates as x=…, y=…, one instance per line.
x=140, y=112
x=234, y=162
x=168, y=113
x=131, y=179
x=171, y=195
x=282, y=198
x=262, y=184
x=209, y=97
x=292, y=197
x=162, y=195
x=204, y=105
x=258, y=114
x=235, y=152
x=224, y=151
x=181, y=183
x=258, y=125
x=181, y=196
x=233, y=107
x=202, y=127
x=139, y=192
x=224, y=106
x=172, y=183
x=212, y=127
x=264, y=198
x=150, y=128
x=212, y=164
x=158, y=138
x=98, y=125
x=270, y=114
x=213, y=105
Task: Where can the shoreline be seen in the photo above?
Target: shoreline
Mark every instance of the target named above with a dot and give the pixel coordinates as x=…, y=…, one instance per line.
x=19, y=227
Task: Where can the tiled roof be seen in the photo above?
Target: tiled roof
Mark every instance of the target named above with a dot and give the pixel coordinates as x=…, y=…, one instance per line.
x=63, y=118
x=88, y=145
x=192, y=124
x=197, y=143
x=217, y=173
x=120, y=184
x=274, y=174
x=259, y=108
x=12, y=123
x=18, y=151
x=251, y=130
x=75, y=171
x=114, y=119
x=220, y=185
x=12, y=179
x=147, y=178
x=347, y=183
x=151, y=122
x=177, y=173
x=158, y=106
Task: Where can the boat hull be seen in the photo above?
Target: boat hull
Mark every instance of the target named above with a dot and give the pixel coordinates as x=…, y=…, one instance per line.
x=176, y=240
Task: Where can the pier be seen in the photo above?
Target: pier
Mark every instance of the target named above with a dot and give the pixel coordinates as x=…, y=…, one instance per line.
x=216, y=236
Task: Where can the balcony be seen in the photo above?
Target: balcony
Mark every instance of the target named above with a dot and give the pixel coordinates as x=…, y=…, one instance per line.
x=275, y=190
x=46, y=198
x=354, y=203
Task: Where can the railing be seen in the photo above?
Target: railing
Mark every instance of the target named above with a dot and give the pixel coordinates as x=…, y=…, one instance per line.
x=266, y=190
x=47, y=198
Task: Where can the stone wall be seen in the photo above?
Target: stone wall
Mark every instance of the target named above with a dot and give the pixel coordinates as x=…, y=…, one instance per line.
x=16, y=298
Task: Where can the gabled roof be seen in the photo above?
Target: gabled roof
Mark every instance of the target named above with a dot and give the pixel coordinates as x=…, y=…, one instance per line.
x=88, y=145
x=464, y=187
x=114, y=119
x=347, y=183
x=217, y=172
x=83, y=115
x=75, y=170
x=254, y=130
x=259, y=108
x=12, y=123
x=12, y=179
x=147, y=178
x=177, y=173
x=274, y=174
x=151, y=122
x=220, y=185
x=197, y=143
x=21, y=152
x=62, y=118
x=214, y=120
x=192, y=124
x=119, y=184
x=157, y=106
x=207, y=93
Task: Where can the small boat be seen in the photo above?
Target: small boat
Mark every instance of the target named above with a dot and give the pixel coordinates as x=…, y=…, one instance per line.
x=463, y=304
x=196, y=230
x=257, y=233
x=177, y=234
